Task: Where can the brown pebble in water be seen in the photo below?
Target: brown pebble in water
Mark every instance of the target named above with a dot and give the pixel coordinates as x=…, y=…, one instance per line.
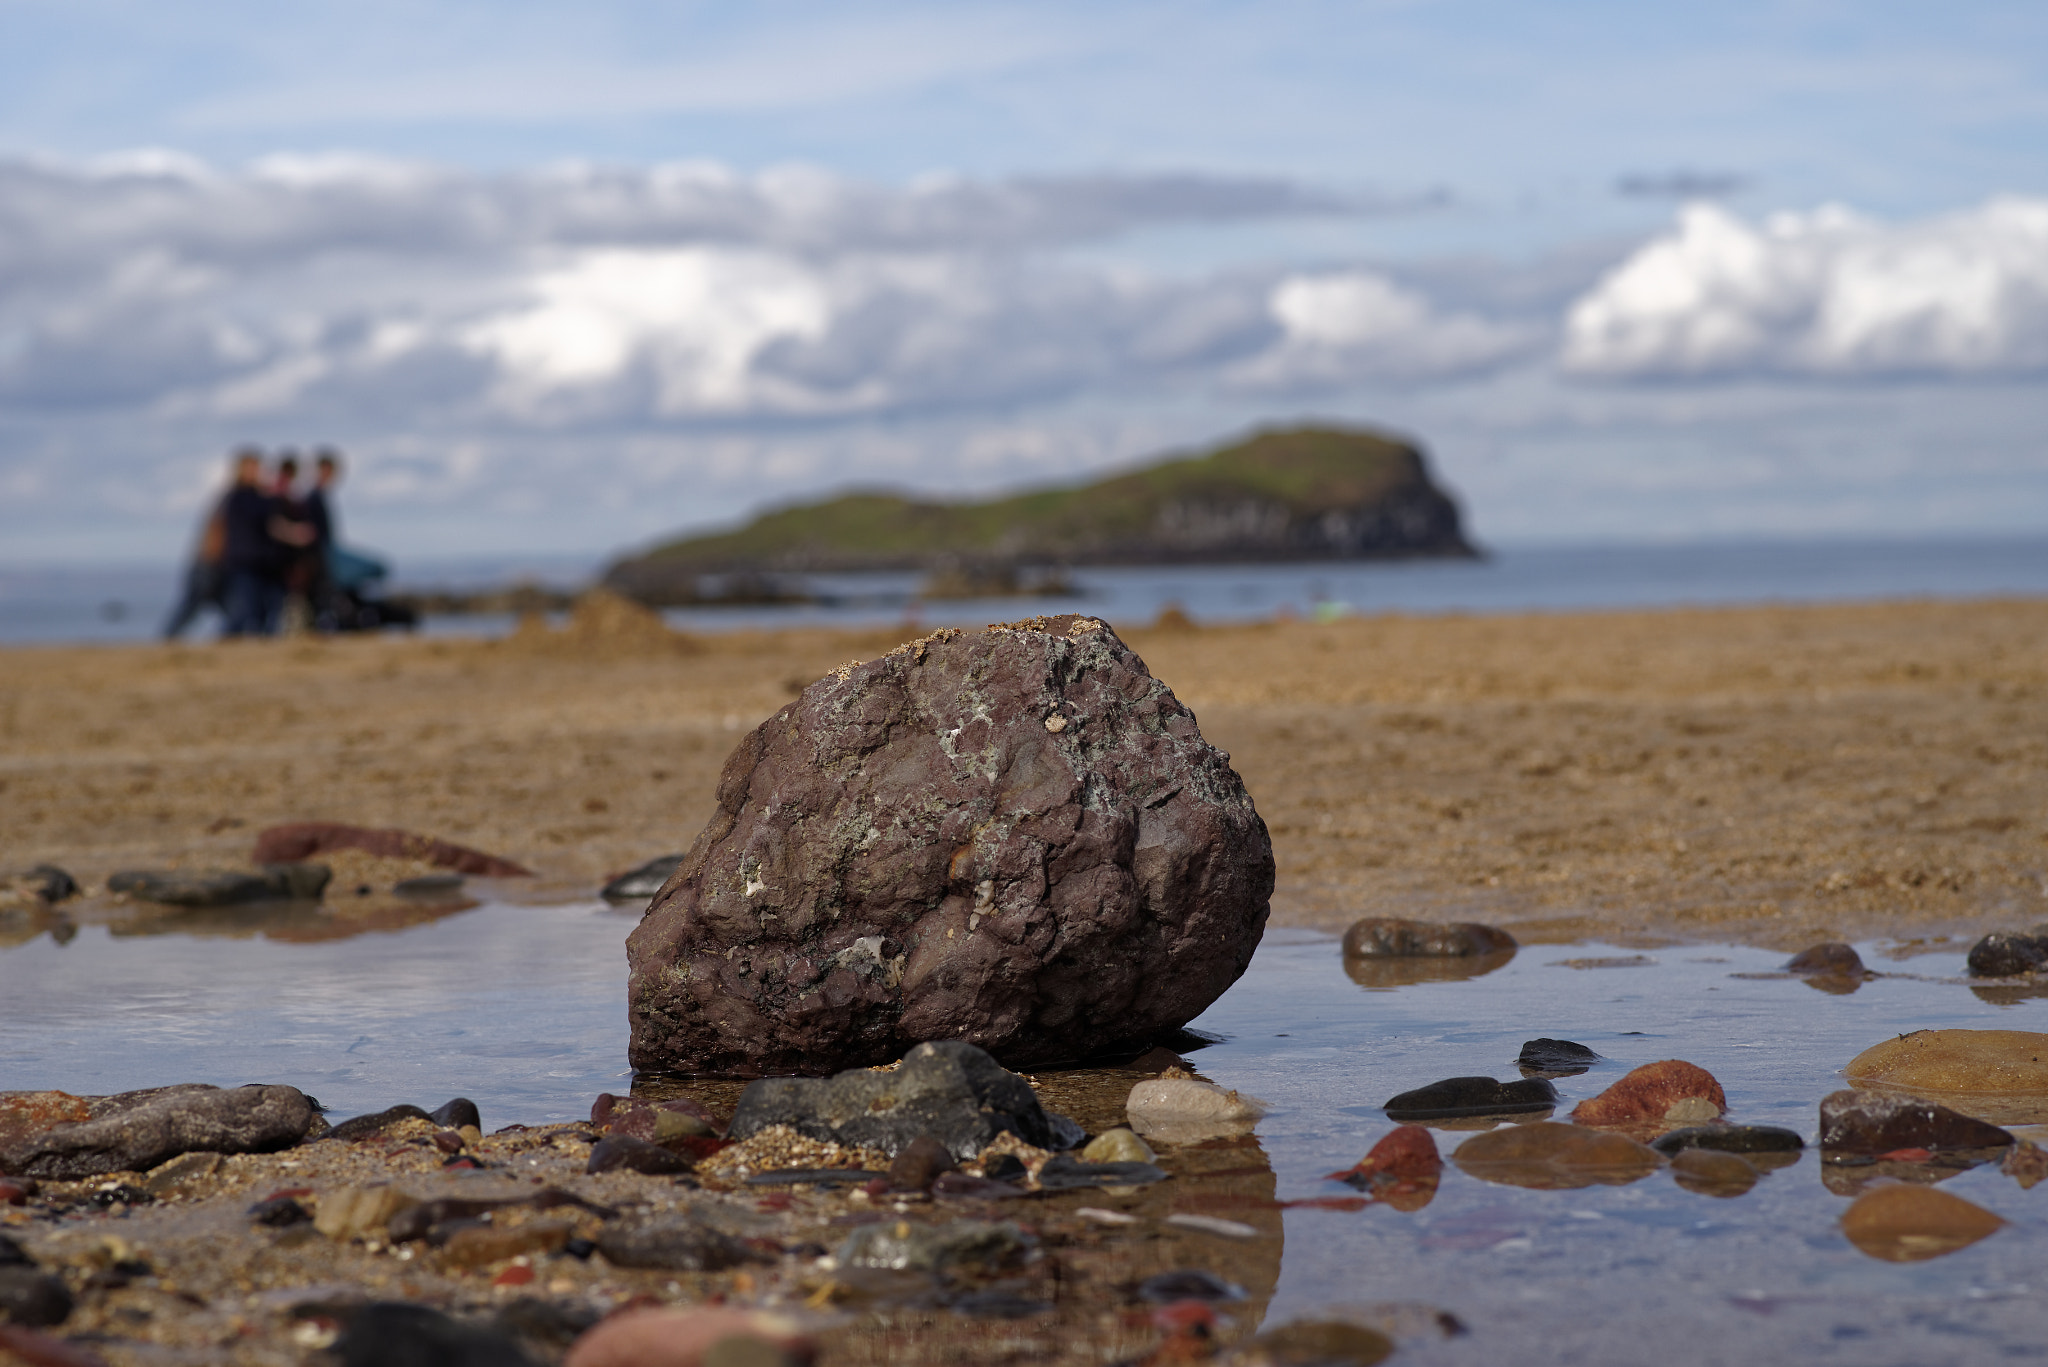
x=1713, y=1173
x=1326, y=1343
x=1999, y=1075
x=1831, y=957
x=1904, y=1224
x=1402, y=1169
x=1656, y=1096
x=1868, y=1124
x=1553, y=1155
x=2026, y=1163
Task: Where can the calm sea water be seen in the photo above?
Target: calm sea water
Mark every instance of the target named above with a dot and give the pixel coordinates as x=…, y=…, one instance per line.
x=130, y=603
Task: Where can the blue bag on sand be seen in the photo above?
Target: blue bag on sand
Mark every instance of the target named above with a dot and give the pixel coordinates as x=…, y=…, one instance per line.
x=352, y=570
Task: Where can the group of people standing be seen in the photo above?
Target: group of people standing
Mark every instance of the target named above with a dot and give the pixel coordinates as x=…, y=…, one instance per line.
x=266, y=543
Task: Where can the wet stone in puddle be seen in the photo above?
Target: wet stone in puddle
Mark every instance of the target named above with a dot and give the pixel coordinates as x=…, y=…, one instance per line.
x=1463, y=1097
x=1742, y=1139
x=1554, y=1058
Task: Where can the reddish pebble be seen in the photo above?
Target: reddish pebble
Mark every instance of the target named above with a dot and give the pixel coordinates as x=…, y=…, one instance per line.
x=1403, y=1169
x=1906, y=1156
x=1655, y=1096
x=1182, y=1317
x=12, y=1194
x=780, y=1200
x=680, y=1338
x=42, y=1350
x=519, y=1274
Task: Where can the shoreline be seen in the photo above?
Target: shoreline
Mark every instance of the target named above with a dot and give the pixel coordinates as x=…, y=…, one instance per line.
x=1768, y=775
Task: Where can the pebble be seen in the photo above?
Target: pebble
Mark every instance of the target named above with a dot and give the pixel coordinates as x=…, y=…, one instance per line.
x=1471, y=1096
x=2008, y=955
x=2026, y=1163
x=947, y=1089
x=1548, y=1154
x=1903, y=1224
x=1964, y=1066
x=281, y=882
x=482, y=1245
x=1656, y=1096
x=355, y=1212
x=677, y=1242
x=137, y=1131
x=169, y=1178
x=1402, y=1169
x=1712, y=1172
x=32, y=1297
x=1868, y=1124
x=1393, y=937
x=1119, y=1145
x=1182, y=1110
x=1730, y=1139
x=1555, y=1057
x=903, y=1245
x=961, y=1186
x=641, y=883
x=396, y=1334
x=920, y=1164
x=1063, y=1173
x=1187, y=1284
x=1211, y=1224
x=700, y=1336
x=623, y=1152
x=1830, y=958
x=1317, y=1343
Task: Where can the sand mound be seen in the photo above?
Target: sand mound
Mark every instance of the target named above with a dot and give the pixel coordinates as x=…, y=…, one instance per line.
x=602, y=623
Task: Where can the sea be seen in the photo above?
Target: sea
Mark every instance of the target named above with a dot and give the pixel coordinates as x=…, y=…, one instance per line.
x=49, y=604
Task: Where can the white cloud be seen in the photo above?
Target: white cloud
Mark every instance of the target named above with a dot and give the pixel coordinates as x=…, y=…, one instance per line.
x=1823, y=293
x=1358, y=326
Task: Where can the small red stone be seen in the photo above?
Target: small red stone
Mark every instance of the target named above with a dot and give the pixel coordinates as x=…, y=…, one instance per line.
x=1182, y=1317
x=519, y=1274
x=12, y=1194
x=1906, y=1156
x=1643, y=1097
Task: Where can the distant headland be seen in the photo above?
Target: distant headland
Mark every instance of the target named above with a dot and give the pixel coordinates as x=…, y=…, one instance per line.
x=1298, y=493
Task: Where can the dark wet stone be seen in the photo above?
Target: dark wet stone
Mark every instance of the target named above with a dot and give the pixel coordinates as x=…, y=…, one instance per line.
x=1392, y=937
x=617, y=1152
x=1062, y=1173
x=1186, y=1284
x=1730, y=1139
x=676, y=1242
x=1830, y=958
x=457, y=1113
x=995, y=1305
x=960, y=1186
x=31, y=1297
x=13, y=1254
x=1460, y=1096
x=51, y=883
x=1014, y=837
x=1004, y=1167
x=553, y=1324
x=1870, y=1124
x=640, y=884
x=370, y=1126
x=920, y=1165
x=280, y=1212
x=391, y=1334
x=296, y=882
x=429, y=885
x=1555, y=1057
x=418, y=1221
x=948, y=1089
x=135, y=1131
x=903, y=1246
x=815, y=1177
x=2003, y=955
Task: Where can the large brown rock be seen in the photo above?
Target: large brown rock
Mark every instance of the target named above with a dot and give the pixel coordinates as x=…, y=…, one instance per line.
x=1015, y=837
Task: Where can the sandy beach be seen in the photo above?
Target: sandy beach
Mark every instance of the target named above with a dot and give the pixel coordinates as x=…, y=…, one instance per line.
x=1770, y=775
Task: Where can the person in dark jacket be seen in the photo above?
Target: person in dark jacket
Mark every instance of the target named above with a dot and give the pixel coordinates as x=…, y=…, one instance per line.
x=205, y=579
x=260, y=543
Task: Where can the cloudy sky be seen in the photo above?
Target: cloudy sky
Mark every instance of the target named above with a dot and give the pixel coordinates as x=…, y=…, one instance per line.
x=562, y=278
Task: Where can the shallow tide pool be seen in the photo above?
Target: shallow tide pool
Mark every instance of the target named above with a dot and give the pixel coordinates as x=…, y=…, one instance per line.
x=521, y=1009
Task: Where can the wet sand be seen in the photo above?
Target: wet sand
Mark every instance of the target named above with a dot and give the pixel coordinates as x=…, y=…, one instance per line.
x=1772, y=775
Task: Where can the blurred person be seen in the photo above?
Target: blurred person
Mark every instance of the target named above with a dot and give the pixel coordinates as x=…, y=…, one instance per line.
x=322, y=594
x=205, y=578
x=260, y=542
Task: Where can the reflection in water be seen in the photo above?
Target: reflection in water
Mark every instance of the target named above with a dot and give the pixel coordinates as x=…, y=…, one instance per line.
x=292, y=922
x=19, y=925
x=1549, y=1156
x=1849, y=1176
x=1384, y=975
x=2010, y=992
x=1912, y=1224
